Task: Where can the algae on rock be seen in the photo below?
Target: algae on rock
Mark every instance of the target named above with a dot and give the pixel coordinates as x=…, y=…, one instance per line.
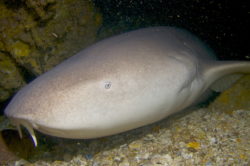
x=11, y=79
x=39, y=34
x=235, y=98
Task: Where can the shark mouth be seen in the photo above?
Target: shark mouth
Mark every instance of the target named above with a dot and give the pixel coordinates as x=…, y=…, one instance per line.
x=18, y=123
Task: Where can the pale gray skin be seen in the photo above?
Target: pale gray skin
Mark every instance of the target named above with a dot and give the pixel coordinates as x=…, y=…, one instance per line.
x=119, y=84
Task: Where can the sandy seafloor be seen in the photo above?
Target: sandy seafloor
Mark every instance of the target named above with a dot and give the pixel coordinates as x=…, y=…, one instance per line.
x=211, y=135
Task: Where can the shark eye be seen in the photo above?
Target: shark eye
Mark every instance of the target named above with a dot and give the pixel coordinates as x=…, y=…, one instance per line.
x=107, y=85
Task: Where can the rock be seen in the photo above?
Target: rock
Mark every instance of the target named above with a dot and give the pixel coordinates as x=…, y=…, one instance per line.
x=36, y=35
x=72, y=28
x=235, y=98
x=6, y=155
x=158, y=160
x=135, y=145
x=11, y=79
x=39, y=8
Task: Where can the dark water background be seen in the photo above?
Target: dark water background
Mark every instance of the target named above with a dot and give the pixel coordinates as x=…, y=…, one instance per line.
x=223, y=24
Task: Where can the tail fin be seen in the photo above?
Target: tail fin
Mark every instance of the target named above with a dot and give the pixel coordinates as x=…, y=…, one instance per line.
x=222, y=74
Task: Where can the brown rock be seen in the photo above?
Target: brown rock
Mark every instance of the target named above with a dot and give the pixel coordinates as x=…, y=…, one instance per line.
x=38, y=34
x=6, y=155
